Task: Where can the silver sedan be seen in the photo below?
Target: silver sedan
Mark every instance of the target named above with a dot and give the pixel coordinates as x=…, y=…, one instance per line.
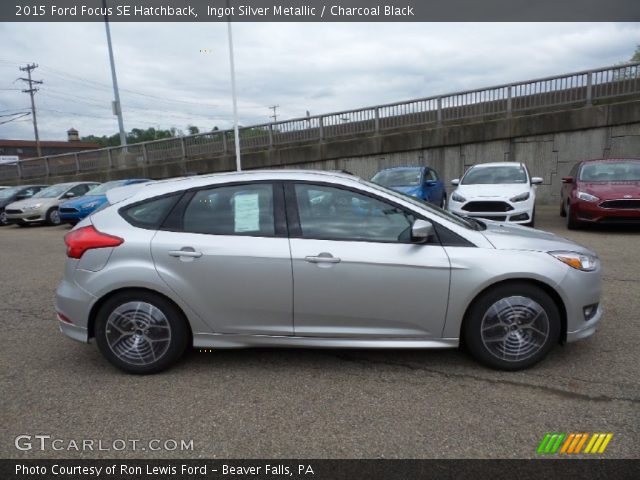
x=315, y=259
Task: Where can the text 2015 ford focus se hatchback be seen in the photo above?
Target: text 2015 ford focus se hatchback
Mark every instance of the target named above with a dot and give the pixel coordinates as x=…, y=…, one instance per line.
x=315, y=259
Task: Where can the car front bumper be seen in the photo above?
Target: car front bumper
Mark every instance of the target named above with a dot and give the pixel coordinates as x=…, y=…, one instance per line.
x=26, y=216
x=592, y=212
x=520, y=214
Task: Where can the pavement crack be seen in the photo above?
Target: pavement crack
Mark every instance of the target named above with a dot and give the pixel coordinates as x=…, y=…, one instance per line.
x=552, y=390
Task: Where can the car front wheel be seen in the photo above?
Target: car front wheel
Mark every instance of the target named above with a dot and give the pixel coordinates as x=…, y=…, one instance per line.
x=141, y=332
x=53, y=216
x=512, y=327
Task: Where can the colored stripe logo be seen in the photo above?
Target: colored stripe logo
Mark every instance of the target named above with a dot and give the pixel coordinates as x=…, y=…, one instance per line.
x=574, y=443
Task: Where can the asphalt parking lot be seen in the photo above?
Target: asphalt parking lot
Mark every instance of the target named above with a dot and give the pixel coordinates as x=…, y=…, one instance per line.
x=314, y=403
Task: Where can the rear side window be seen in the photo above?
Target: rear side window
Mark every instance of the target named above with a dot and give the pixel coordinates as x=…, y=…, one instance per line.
x=232, y=210
x=149, y=213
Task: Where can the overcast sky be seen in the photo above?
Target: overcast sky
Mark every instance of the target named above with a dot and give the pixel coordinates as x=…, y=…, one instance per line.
x=175, y=75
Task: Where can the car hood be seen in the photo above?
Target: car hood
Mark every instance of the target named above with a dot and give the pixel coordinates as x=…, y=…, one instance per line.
x=79, y=202
x=611, y=190
x=33, y=201
x=412, y=190
x=492, y=190
x=515, y=237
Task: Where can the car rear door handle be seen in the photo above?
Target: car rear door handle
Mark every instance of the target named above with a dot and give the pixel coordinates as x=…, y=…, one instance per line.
x=322, y=258
x=191, y=253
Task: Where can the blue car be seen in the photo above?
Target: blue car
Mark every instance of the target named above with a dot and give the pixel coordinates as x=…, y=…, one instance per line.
x=420, y=182
x=75, y=210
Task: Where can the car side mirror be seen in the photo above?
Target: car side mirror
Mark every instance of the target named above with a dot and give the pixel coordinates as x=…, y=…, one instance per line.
x=567, y=179
x=69, y=195
x=536, y=181
x=455, y=181
x=421, y=231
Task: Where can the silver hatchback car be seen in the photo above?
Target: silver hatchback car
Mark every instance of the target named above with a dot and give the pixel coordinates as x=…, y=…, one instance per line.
x=315, y=259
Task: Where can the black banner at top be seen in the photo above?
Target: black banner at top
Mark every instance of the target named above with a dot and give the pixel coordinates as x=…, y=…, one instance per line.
x=318, y=10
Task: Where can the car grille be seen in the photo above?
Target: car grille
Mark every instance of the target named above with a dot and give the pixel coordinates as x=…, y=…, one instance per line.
x=622, y=204
x=497, y=218
x=68, y=210
x=12, y=212
x=487, y=207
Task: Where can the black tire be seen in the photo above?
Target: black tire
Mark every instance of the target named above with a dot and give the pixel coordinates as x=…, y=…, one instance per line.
x=443, y=203
x=485, y=307
x=532, y=223
x=572, y=223
x=3, y=218
x=563, y=212
x=53, y=216
x=172, y=349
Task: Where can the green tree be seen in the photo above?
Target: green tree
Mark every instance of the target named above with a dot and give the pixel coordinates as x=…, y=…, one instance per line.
x=636, y=55
x=192, y=129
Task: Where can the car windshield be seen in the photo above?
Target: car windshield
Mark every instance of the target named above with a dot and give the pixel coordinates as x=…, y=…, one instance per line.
x=9, y=192
x=53, y=191
x=424, y=205
x=611, y=172
x=105, y=187
x=398, y=178
x=495, y=175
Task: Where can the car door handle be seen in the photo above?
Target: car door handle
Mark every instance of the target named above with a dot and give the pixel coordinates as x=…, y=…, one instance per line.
x=185, y=253
x=322, y=258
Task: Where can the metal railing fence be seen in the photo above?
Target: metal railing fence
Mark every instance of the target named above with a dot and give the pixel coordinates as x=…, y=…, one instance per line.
x=579, y=88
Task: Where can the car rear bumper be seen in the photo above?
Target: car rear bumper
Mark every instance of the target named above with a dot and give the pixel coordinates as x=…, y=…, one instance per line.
x=73, y=331
x=73, y=305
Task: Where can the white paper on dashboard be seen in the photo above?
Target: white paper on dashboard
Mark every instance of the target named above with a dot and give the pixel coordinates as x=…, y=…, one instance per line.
x=247, y=212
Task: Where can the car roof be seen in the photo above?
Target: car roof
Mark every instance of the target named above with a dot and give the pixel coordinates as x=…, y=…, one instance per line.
x=497, y=164
x=141, y=191
x=605, y=160
x=405, y=167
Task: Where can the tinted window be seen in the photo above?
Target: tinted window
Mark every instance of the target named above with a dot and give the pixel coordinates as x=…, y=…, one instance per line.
x=495, y=175
x=337, y=214
x=149, y=213
x=79, y=190
x=233, y=210
x=610, y=172
x=398, y=178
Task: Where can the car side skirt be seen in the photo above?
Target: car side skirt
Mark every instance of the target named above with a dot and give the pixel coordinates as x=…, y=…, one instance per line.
x=205, y=340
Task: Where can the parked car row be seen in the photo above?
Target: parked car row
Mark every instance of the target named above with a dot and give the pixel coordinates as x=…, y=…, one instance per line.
x=70, y=202
x=596, y=191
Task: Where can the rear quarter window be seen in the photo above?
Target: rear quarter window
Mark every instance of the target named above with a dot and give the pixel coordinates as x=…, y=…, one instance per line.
x=149, y=213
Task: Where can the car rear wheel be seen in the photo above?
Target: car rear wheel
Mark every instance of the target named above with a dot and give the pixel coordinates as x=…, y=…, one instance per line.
x=512, y=327
x=141, y=332
x=53, y=216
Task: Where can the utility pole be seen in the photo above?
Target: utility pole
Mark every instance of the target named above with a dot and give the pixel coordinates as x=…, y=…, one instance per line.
x=117, y=108
x=275, y=115
x=31, y=91
x=236, y=130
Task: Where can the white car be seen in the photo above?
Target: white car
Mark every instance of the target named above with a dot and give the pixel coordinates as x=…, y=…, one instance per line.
x=501, y=191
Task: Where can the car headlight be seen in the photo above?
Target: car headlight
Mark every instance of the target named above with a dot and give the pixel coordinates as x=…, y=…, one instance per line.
x=579, y=261
x=587, y=197
x=458, y=198
x=33, y=207
x=520, y=198
x=90, y=205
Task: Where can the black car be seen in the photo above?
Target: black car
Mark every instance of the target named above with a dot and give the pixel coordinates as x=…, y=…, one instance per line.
x=13, y=194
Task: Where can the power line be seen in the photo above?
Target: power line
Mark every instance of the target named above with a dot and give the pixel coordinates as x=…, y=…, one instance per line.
x=31, y=91
x=14, y=119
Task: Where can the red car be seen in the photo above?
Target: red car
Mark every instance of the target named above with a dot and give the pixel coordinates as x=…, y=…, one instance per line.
x=602, y=191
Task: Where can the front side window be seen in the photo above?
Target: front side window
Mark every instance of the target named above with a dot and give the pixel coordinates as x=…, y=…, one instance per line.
x=337, y=214
x=232, y=210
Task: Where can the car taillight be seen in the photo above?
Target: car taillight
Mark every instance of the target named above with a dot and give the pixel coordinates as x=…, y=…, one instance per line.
x=87, y=238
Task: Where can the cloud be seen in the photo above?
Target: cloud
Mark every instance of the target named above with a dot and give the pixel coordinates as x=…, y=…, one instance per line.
x=175, y=74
